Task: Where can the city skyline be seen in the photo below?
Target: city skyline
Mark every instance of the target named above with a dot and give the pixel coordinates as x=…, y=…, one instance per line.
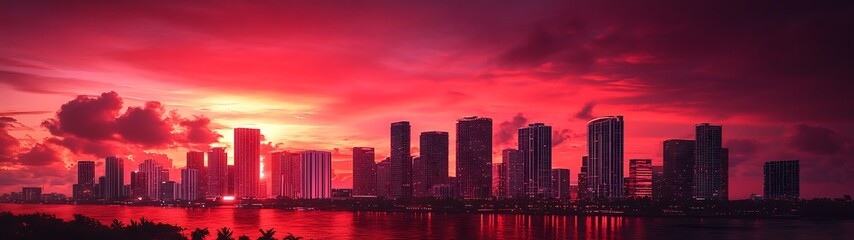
x=129, y=82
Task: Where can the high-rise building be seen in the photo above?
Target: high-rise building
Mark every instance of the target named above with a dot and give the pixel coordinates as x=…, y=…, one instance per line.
x=247, y=162
x=433, y=164
x=583, y=187
x=290, y=167
x=196, y=161
x=419, y=176
x=499, y=180
x=535, y=150
x=678, y=184
x=115, y=178
x=605, y=154
x=316, y=173
x=169, y=191
x=32, y=194
x=217, y=172
x=84, y=189
x=275, y=161
x=657, y=182
x=139, y=185
x=560, y=183
x=725, y=174
x=231, y=179
x=782, y=180
x=383, y=177
x=189, y=184
x=640, y=178
x=400, y=184
x=515, y=170
x=708, y=163
x=474, y=157
x=101, y=186
x=262, y=188
x=154, y=176
x=364, y=172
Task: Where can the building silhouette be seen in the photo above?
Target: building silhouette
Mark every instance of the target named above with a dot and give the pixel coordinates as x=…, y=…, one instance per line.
x=290, y=163
x=605, y=153
x=85, y=187
x=400, y=183
x=153, y=176
x=474, y=157
x=499, y=180
x=708, y=163
x=657, y=182
x=231, y=179
x=114, y=178
x=560, y=183
x=725, y=174
x=678, y=184
x=217, y=172
x=364, y=172
x=31, y=194
x=535, y=151
x=247, y=162
x=640, y=178
x=189, y=184
x=316, y=174
x=383, y=177
x=196, y=161
x=139, y=185
x=433, y=162
x=583, y=186
x=781, y=180
x=275, y=173
x=515, y=172
x=169, y=191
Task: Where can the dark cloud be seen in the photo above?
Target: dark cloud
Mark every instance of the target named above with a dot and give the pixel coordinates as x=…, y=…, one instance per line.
x=87, y=117
x=560, y=136
x=742, y=151
x=508, y=129
x=8, y=144
x=586, y=112
x=198, y=130
x=816, y=140
x=41, y=155
x=146, y=125
x=16, y=113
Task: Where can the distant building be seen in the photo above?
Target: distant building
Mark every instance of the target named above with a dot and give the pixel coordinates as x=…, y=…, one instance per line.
x=560, y=183
x=605, y=153
x=583, y=187
x=231, y=179
x=32, y=194
x=115, y=178
x=678, y=185
x=291, y=174
x=782, y=180
x=640, y=178
x=139, y=185
x=101, y=186
x=247, y=162
x=515, y=170
x=433, y=162
x=154, y=176
x=169, y=191
x=342, y=193
x=316, y=173
x=725, y=174
x=444, y=191
x=499, y=180
x=189, y=184
x=657, y=182
x=383, y=177
x=85, y=187
x=535, y=150
x=217, y=172
x=196, y=161
x=400, y=183
x=474, y=157
x=708, y=163
x=364, y=171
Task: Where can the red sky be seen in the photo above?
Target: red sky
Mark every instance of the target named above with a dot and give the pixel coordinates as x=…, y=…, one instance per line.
x=83, y=81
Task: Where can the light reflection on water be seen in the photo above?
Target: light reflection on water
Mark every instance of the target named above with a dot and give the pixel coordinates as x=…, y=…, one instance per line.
x=349, y=225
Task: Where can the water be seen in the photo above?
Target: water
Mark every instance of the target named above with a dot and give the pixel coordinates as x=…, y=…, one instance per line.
x=373, y=225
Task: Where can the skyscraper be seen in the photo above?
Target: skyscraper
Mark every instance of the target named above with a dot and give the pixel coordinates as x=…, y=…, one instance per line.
x=115, y=178
x=275, y=161
x=657, y=182
x=640, y=178
x=139, y=185
x=383, y=177
x=400, y=184
x=708, y=163
x=583, y=186
x=535, y=150
x=32, y=194
x=153, y=176
x=169, y=191
x=782, y=180
x=678, y=166
x=316, y=174
x=84, y=189
x=515, y=172
x=189, y=184
x=499, y=180
x=196, y=161
x=364, y=171
x=474, y=157
x=605, y=153
x=560, y=183
x=247, y=162
x=290, y=166
x=433, y=161
x=230, y=175
x=725, y=174
x=217, y=172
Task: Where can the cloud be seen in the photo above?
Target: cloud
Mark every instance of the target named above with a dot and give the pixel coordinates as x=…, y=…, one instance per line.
x=8, y=144
x=817, y=140
x=560, y=136
x=41, y=155
x=507, y=130
x=586, y=112
x=742, y=151
x=87, y=117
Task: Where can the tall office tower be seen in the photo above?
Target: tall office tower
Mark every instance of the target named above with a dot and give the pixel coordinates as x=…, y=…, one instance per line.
x=535, y=150
x=196, y=160
x=189, y=184
x=583, y=186
x=678, y=158
x=657, y=182
x=499, y=180
x=419, y=177
x=474, y=157
x=247, y=162
x=275, y=161
x=32, y=194
x=708, y=177
x=560, y=183
x=605, y=153
x=364, y=172
x=164, y=175
x=383, y=177
x=515, y=170
x=115, y=178
x=640, y=178
x=84, y=189
x=169, y=191
x=290, y=166
x=217, y=172
x=434, y=161
x=231, y=179
x=316, y=173
x=400, y=184
x=139, y=185
x=782, y=180
x=102, y=184
x=153, y=175
x=725, y=174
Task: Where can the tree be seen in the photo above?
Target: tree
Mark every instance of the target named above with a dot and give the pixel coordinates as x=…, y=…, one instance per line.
x=224, y=234
x=267, y=235
x=291, y=236
x=200, y=234
x=244, y=237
